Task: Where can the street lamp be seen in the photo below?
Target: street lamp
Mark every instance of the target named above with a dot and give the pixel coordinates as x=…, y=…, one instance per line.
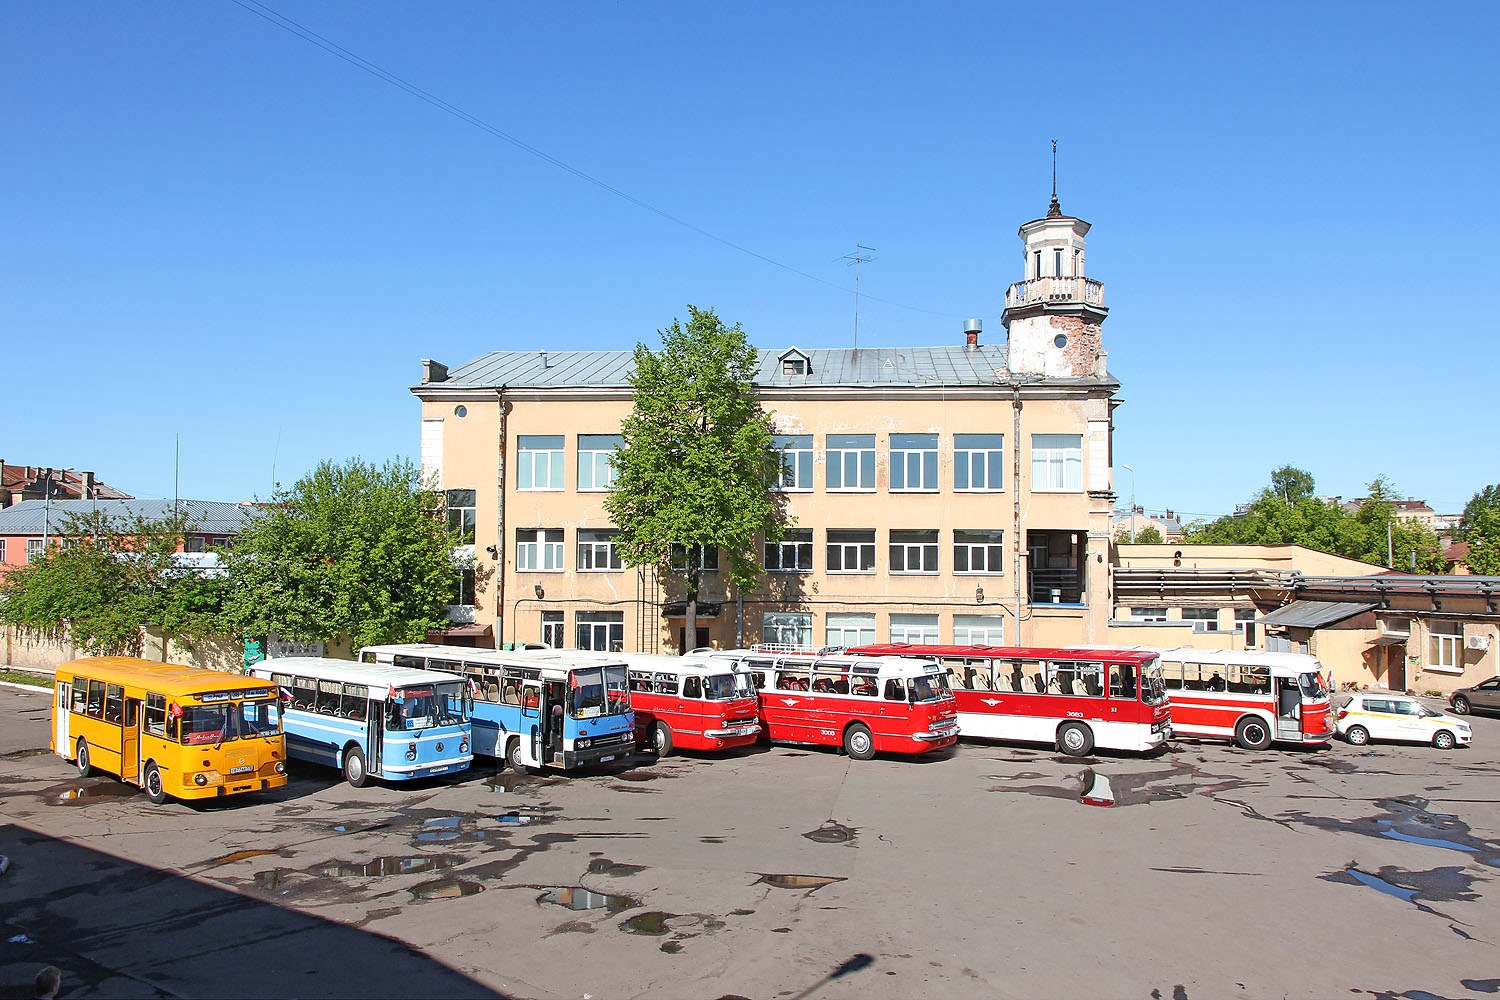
x=1132, y=499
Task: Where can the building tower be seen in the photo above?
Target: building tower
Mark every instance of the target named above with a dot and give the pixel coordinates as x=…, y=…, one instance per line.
x=1052, y=318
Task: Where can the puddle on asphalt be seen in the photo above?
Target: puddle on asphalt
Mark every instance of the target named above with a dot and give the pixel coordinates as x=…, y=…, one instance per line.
x=443, y=829
x=22, y=754
x=652, y=923
x=1439, y=885
x=1091, y=788
x=68, y=795
x=240, y=856
x=604, y=866
x=1481, y=985
x=832, y=833
x=1065, y=759
x=636, y=776
x=517, y=818
x=388, y=866
x=446, y=888
x=1408, y=820
x=270, y=881
x=810, y=882
x=578, y=898
x=510, y=781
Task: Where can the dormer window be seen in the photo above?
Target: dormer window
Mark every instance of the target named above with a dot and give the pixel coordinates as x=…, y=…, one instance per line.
x=794, y=362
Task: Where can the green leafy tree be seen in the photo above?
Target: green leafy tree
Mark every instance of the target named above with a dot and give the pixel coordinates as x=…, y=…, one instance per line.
x=697, y=459
x=1148, y=535
x=1480, y=527
x=351, y=550
x=108, y=576
x=1486, y=500
x=1291, y=484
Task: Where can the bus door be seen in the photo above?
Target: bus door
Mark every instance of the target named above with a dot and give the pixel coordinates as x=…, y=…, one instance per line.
x=61, y=737
x=1288, y=709
x=378, y=711
x=130, y=742
x=531, y=722
x=554, y=701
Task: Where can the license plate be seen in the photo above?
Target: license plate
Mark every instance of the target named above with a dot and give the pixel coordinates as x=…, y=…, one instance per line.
x=603, y=760
x=246, y=769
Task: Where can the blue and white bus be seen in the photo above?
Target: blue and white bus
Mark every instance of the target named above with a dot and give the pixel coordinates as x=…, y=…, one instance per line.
x=372, y=721
x=537, y=710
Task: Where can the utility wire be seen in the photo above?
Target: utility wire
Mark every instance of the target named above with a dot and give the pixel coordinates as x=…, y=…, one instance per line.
x=334, y=49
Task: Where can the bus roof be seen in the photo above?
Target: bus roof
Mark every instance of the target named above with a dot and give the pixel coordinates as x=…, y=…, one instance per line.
x=348, y=671
x=163, y=678
x=542, y=655
x=1296, y=663
x=1128, y=654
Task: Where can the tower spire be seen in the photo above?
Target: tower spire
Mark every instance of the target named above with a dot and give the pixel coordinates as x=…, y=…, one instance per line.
x=1054, y=210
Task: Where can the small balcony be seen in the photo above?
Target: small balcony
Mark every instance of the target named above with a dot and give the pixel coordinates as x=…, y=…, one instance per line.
x=1054, y=289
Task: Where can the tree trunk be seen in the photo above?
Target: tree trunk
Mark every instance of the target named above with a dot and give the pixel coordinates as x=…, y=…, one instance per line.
x=690, y=628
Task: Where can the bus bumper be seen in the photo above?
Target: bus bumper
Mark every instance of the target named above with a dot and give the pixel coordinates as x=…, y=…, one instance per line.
x=427, y=769
x=723, y=734
x=949, y=733
x=1318, y=737
x=600, y=750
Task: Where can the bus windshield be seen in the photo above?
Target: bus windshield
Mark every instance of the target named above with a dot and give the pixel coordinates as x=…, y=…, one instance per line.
x=426, y=706
x=929, y=687
x=723, y=687
x=597, y=691
x=1153, y=691
x=1311, y=684
x=237, y=720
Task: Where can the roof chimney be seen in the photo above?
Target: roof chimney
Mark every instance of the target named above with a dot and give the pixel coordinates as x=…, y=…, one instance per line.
x=971, y=334
x=88, y=485
x=434, y=371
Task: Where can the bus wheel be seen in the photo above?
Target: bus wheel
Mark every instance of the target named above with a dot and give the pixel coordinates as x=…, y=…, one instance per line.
x=1443, y=740
x=513, y=755
x=354, y=767
x=155, y=790
x=858, y=743
x=1075, y=740
x=1252, y=734
x=84, y=770
x=661, y=739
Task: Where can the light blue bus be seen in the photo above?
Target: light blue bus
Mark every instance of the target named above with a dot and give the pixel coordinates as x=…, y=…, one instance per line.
x=535, y=710
x=372, y=721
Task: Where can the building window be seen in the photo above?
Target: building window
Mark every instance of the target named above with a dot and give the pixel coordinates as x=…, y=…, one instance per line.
x=552, y=629
x=787, y=628
x=1244, y=624
x=1036, y=263
x=1445, y=646
x=979, y=552
x=195, y=543
x=978, y=461
x=2, y=550
x=461, y=516
x=465, y=596
x=539, y=462
x=793, y=366
x=1148, y=614
x=851, y=551
x=1203, y=619
x=851, y=461
x=793, y=554
x=596, y=460
x=914, y=461
x=796, y=461
x=1056, y=462
x=1057, y=263
x=914, y=551
x=704, y=557
x=978, y=630
x=539, y=550
x=849, y=630
x=596, y=551
x=33, y=550
x=915, y=629
x=601, y=630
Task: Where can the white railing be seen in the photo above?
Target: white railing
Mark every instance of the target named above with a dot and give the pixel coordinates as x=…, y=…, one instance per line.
x=1054, y=289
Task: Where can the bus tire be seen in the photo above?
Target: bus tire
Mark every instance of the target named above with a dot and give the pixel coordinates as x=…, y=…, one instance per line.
x=85, y=769
x=1251, y=733
x=858, y=743
x=661, y=739
x=354, y=767
x=513, y=755
x=156, y=789
x=1075, y=739
x=1443, y=740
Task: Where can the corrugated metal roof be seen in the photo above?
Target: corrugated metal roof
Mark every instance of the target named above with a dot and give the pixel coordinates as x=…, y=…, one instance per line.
x=948, y=365
x=1315, y=614
x=208, y=517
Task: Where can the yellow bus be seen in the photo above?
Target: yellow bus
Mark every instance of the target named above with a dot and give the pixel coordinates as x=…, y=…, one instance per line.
x=173, y=730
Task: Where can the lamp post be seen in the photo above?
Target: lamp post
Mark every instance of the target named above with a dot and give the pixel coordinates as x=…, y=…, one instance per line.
x=1132, y=499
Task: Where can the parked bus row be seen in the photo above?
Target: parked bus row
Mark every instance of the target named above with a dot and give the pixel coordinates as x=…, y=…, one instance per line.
x=415, y=710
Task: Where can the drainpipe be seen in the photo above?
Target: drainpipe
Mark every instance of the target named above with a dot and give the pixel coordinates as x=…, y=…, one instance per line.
x=500, y=543
x=1015, y=479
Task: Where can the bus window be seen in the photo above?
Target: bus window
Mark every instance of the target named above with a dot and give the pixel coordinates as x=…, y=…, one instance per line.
x=722, y=687
x=1171, y=675
x=510, y=690
x=864, y=687
x=80, y=695
x=204, y=724
x=258, y=718
x=1122, y=680
x=447, y=666
x=692, y=688
x=1064, y=675
x=790, y=680
x=928, y=688
x=328, y=698
x=96, y=699
x=407, y=660
x=666, y=683
x=640, y=680
x=894, y=690
x=356, y=701
x=304, y=693
x=156, y=714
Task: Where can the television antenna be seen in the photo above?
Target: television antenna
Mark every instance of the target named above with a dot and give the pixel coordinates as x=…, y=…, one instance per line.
x=861, y=255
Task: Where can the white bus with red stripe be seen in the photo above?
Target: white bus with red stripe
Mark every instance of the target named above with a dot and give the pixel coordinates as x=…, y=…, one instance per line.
x=1253, y=698
x=1077, y=698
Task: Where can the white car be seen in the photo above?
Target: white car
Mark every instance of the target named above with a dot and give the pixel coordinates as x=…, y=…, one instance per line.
x=1385, y=715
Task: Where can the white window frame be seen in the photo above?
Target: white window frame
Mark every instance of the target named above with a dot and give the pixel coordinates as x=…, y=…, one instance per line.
x=919, y=546
x=848, y=453
x=915, y=629
x=2, y=549
x=847, y=629
x=536, y=464
x=596, y=464
x=539, y=550
x=35, y=547
x=978, y=630
x=602, y=631
x=796, y=463
x=466, y=514
x=1199, y=617
x=708, y=557
x=989, y=546
x=843, y=543
x=554, y=631
x=1445, y=648
x=1151, y=613
x=976, y=459
x=914, y=456
x=1244, y=624
x=596, y=551
x=786, y=555
x=787, y=628
x=1056, y=463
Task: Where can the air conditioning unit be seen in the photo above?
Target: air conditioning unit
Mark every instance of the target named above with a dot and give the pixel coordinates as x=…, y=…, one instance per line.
x=1479, y=642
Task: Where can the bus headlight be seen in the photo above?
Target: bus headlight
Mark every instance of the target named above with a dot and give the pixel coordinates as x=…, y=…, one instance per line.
x=200, y=779
x=582, y=744
x=463, y=745
x=280, y=767
x=411, y=751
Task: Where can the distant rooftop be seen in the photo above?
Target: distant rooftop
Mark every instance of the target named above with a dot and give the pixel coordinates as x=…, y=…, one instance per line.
x=207, y=517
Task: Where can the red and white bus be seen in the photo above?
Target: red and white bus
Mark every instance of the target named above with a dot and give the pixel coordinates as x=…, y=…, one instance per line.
x=1250, y=697
x=867, y=705
x=691, y=703
x=1077, y=698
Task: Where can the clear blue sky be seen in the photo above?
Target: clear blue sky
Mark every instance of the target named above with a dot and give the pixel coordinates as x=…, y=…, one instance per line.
x=213, y=228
